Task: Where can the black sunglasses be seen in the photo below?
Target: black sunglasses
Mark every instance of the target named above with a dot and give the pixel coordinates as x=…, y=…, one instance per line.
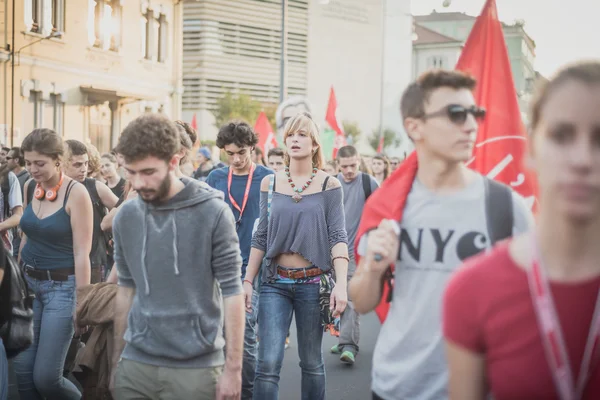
x=458, y=114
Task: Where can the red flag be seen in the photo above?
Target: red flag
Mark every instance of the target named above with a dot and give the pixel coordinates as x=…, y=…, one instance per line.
x=380, y=146
x=501, y=140
x=266, y=136
x=334, y=123
x=194, y=123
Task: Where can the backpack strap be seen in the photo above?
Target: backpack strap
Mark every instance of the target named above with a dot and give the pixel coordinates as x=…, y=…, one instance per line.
x=30, y=190
x=366, y=182
x=68, y=192
x=270, y=194
x=325, y=183
x=498, y=210
x=90, y=185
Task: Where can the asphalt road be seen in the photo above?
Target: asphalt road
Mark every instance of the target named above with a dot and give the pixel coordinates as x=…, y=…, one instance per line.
x=343, y=382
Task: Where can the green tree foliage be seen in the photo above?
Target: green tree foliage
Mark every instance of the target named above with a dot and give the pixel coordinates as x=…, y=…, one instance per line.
x=236, y=106
x=352, y=131
x=390, y=138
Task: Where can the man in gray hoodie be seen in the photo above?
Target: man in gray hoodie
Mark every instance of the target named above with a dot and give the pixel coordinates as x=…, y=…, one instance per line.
x=179, y=266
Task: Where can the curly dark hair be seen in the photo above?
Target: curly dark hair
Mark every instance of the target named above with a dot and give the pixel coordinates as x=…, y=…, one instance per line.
x=187, y=129
x=236, y=132
x=149, y=135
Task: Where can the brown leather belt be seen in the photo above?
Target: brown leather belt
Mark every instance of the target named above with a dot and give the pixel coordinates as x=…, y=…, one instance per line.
x=60, y=274
x=299, y=273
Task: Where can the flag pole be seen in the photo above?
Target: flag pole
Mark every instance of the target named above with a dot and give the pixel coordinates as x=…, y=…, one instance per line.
x=382, y=81
x=283, y=56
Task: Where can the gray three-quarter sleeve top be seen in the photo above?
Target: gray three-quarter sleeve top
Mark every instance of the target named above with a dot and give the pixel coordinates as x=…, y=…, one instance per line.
x=310, y=228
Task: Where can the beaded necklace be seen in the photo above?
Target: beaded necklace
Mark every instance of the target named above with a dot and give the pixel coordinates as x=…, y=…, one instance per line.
x=297, y=191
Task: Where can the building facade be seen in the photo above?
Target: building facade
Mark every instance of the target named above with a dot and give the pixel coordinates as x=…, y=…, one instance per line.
x=86, y=68
x=236, y=46
x=457, y=26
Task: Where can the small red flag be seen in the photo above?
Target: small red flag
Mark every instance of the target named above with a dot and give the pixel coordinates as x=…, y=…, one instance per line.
x=381, y=141
x=194, y=123
x=334, y=123
x=501, y=145
x=266, y=136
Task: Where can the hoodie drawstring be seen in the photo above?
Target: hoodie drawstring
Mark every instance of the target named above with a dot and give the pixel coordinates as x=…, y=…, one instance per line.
x=144, y=242
x=175, y=250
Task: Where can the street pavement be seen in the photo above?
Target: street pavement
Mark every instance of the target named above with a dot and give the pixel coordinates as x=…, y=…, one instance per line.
x=343, y=382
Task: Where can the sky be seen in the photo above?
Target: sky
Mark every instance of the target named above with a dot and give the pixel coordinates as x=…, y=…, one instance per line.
x=563, y=30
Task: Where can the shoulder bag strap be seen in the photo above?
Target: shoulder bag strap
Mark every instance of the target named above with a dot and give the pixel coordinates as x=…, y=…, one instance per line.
x=498, y=210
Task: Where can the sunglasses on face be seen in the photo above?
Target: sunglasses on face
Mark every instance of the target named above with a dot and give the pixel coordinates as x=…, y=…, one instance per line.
x=458, y=114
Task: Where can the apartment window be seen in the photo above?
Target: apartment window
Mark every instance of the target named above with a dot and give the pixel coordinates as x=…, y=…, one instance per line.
x=44, y=16
x=58, y=15
x=437, y=62
x=106, y=24
x=154, y=36
x=162, y=37
x=36, y=15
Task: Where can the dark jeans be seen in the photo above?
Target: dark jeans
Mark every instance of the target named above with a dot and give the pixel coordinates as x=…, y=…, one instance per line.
x=3, y=373
x=39, y=369
x=375, y=397
x=277, y=303
x=250, y=349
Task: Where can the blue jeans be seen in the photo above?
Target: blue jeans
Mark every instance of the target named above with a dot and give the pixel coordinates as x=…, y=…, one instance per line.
x=3, y=373
x=39, y=369
x=277, y=303
x=250, y=348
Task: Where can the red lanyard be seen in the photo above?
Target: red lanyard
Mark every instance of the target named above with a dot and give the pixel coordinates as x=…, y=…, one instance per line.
x=246, y=192
x=554, y=343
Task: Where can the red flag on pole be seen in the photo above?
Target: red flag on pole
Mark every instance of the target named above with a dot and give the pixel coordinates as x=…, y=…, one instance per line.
x=381, y=142
x=266, y=136
x=194, y=123
x=334, y=123
x=501, y=140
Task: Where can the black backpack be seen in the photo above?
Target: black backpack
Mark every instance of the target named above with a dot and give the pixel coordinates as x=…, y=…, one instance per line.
x=366, y=182
x=16, y=308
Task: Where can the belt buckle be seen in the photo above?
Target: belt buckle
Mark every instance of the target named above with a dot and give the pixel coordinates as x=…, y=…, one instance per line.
x=48, y=275
x=290, y=273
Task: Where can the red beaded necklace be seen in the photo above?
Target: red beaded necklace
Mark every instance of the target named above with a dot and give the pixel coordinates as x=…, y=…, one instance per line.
x=297, y=197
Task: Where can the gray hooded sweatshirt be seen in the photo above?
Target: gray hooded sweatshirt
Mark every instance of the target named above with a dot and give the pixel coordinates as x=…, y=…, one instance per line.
x=182, y=257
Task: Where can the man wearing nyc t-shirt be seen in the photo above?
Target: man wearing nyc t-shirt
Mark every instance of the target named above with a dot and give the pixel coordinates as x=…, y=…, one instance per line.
x=240, y=182
x=426, y=220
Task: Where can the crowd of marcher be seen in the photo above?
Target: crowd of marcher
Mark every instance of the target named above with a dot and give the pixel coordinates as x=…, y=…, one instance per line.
x=159, y=272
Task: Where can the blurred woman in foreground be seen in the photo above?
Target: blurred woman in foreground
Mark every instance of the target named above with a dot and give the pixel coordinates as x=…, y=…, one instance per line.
x=519, y=320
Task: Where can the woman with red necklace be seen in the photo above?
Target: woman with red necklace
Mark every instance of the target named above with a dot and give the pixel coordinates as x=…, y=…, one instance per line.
x=302, y=237
x=523, y=321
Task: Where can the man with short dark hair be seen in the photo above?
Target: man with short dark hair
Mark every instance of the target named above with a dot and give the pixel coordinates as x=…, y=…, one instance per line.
x=178, y=265
x=276, y=159
x=103, y=200
x=357, y=188
x=3, y=153
x=427, y=218
x=16, y=164
x=240, y=183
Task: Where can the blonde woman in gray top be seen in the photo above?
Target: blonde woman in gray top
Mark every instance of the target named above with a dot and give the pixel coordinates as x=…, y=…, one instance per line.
x=302, y=238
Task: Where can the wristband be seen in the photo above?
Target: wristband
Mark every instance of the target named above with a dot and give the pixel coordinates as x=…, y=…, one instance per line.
x=342, y=257
x=246, y=280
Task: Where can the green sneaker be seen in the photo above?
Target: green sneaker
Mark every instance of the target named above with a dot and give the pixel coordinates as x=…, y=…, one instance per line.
x=347, y=357
x=336, y=349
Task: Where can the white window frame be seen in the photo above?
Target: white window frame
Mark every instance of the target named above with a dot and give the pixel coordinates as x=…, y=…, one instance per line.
x=108, y=41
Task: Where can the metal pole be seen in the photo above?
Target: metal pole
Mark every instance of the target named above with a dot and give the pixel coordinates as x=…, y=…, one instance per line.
x=12, y=77
x=282, y=83
x=382, y=83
